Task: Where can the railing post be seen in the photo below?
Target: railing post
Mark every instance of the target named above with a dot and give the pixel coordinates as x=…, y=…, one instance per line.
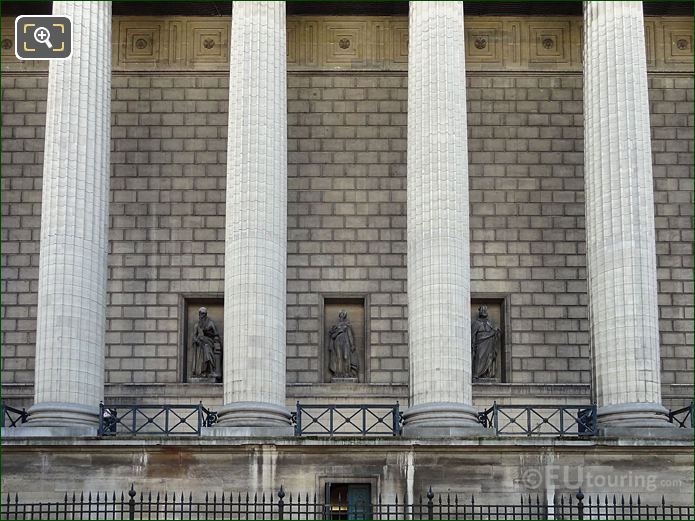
x=692, y=420
x=281, y=503
x=131, y=502
x=494, y=417
x=298, y=422
x=580, y=504
x=200, y=418
x=2, y=418
x=430, y=504
x=100, y=431
x=396, y=419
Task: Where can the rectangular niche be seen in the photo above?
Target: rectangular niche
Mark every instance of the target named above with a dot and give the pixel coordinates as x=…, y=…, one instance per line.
x=338, y=363
x=189, y=307
x=499, y=316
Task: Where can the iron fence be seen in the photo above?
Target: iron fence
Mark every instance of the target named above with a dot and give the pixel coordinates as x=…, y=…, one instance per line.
x=347, y=420
x=540, y=420
x=302, y=507
x=161, y=420
x=682, y=417
x=12, y=417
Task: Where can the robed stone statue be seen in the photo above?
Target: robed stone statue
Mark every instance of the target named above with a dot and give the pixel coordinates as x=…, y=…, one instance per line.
x=207, y=348
x=485, y=343
x=342, y=352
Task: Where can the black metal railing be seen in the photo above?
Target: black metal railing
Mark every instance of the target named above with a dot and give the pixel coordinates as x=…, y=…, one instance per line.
x=154, y=420
x=451, y=506
x=540, y=420
x=682, y=417
x=12, y=417
x=347, y=420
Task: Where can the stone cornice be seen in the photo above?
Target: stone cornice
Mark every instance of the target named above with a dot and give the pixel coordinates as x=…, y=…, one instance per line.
x=369, y=43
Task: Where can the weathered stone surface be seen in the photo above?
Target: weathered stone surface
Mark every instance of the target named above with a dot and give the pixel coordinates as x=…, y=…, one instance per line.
x=495, y=471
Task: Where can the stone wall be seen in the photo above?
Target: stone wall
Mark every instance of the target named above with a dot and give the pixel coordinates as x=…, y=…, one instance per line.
x=494, y=471
x=346, y=216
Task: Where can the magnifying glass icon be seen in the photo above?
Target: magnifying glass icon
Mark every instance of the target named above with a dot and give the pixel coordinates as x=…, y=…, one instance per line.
x=43, y=35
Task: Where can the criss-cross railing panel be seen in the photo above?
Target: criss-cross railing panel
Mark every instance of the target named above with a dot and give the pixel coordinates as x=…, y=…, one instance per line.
x=540, y=420
x=347, y=420
x=154, y=420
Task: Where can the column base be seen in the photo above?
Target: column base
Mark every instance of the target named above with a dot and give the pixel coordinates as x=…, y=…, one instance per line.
x=638, y=420
x=252, y=419
x=58, y=419
x=442, y=420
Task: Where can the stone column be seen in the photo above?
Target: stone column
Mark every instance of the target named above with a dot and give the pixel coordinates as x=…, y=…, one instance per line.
x=256, y=229
x=620, y=236
x=439, y=322
x=71, y=317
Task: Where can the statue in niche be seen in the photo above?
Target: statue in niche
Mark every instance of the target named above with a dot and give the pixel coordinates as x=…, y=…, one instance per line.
x=207, y=348
x=485, y=343
x=343, y=362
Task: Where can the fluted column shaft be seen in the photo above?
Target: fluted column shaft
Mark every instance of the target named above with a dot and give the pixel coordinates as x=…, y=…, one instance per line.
x=256, y=220
x=438, y=236
x=71, y=316
x=621, y=248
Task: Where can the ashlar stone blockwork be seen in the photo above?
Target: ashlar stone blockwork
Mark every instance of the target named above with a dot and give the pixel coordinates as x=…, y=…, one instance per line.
x=346, y=216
